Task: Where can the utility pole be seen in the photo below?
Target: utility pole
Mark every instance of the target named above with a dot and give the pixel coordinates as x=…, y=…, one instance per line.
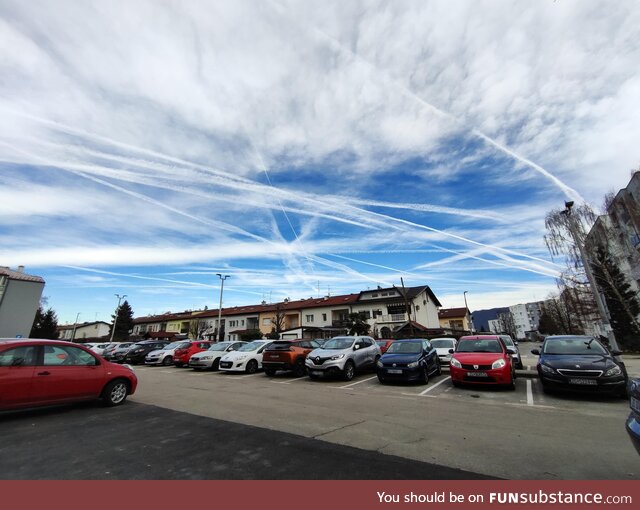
x=115, y=318
x=222, y=279
x=604, y=319
x=75, y=325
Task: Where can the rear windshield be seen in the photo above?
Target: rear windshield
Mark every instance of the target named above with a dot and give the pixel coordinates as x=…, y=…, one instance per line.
x=404, y=348
x=485, y=345
x=220, y=347
x=281, y=346
x=338, y=343
x=252, y=346
x=183, y=345
x=173, y=345
x=442, y=344
x=575, y=345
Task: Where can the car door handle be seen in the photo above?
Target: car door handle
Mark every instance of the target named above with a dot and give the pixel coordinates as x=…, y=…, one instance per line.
x=44, y=373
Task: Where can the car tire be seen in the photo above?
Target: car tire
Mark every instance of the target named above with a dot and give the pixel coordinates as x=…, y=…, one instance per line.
x=512, y=384
x=312, y=376
x=115, y=393
x=252, y=367
x=270, y=372
x=299, y=370
x=215, y=366
x=456, y=384
x=349, y=371
x=168, y=360
x=439, y=367
x=424, y=376
x=381, y=379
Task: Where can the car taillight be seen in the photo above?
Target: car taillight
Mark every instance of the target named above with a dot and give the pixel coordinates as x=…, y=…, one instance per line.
x=180, y=351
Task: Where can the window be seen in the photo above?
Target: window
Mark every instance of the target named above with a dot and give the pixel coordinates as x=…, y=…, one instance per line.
x=309, y=318
x=376, y=313
x=242, y=322
x=266, y=321
x=324, y=317
x=374, y=295
x=66, y=355
x=18, y=356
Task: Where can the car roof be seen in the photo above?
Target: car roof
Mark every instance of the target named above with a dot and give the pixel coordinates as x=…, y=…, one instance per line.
x=480, y=337
x=411, y=339
x=43, y=341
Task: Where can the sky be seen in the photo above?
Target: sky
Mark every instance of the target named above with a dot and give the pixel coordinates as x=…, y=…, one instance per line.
x=305, y=148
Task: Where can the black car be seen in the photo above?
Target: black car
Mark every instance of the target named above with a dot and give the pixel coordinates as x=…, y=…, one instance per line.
x=137, y=353
x=510, y=342
x=580, y=363
x=409, y=360
x=633, y=421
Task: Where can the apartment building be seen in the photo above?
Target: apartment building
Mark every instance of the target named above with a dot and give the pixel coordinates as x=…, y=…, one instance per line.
x=84, y=331
x=20, y=295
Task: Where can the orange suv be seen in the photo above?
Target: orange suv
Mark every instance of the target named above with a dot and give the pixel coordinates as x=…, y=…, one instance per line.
x=287, y=355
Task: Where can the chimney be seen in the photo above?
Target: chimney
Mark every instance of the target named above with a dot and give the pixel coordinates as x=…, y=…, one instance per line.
x=20, y=269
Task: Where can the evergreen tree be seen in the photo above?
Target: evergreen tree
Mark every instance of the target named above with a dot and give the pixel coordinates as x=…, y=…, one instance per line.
x=124, y=323
x=45, y=324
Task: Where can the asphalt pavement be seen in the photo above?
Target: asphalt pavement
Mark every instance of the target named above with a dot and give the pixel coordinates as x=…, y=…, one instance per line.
x=138, y=441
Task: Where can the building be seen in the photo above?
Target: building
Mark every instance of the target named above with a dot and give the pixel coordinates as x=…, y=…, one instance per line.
x=455, y=319
x=84, y=331
x=521, y=320
x=20, y=295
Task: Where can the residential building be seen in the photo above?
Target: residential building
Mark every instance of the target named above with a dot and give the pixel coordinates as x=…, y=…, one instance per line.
x=456, y=319
x=84, y=331
x=20, y=295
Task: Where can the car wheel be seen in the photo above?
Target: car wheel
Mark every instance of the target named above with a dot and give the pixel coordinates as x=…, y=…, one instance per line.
x=381, y=379
x=438, y=367
x=270, y=372
x=312, y=376
x=349, y=371
x=115, y=393
x=168, y=360
x=512, y=384
x=252, y=367
x=215, y=365
x=299, y=370
x=456, y=383
x=424, y=376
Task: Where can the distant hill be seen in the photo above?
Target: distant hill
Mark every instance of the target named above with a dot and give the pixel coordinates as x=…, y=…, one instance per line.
x=481, y=318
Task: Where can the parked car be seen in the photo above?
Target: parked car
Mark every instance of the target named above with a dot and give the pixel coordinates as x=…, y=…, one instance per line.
x=98, y=348
x=118, y=354
x=247, y=358
x=211, y=357
x=442, y=347
x=343, y=356
x=633, y=421
x=412, y=359
x=580, y=363
x=510, y=342
x=108, y=352
x=287, y=355
x=384, y=344
x=138, y=352
x=165, y=355
x=38, y=372
x=482, y=359
x=184, y=352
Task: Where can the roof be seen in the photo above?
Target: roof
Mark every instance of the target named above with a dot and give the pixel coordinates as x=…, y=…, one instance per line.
x=19, y=275
x=449, y=313
x=81, y=325
x=411, y=293
x=415, y=324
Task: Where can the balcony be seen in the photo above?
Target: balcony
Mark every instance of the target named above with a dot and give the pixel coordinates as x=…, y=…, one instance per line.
x=393, y=317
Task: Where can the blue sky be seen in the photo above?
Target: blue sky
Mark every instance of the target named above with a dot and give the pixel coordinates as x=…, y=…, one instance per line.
x=305, y=147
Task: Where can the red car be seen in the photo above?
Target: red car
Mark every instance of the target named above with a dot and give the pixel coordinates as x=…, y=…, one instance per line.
x=181, y=356
x=46, y=372
x=384, y=344
x=482, y=359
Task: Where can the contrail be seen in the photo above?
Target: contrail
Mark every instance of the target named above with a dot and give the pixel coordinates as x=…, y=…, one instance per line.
x=567, y=190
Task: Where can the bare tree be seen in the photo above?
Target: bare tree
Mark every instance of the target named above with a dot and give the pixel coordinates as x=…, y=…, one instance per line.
x=197, y=328
x=507, y=324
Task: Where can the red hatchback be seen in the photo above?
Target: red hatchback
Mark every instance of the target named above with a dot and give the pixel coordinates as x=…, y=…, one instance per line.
x=46, y=372
x=181, y=355
x=482, y=359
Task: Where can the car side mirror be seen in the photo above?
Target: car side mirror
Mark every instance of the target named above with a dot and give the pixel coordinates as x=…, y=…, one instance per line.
x=451, y=351
x=616, y=353
x=511, y=350
x=515, y=343
x=535, y=351
x=356, y=347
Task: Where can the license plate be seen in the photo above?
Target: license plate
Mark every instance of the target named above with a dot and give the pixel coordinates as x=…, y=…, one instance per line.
x=635, y=404
x=275, y=356
x=477, y=374
x=394, y=371
x=317, y=372
x=584, y=382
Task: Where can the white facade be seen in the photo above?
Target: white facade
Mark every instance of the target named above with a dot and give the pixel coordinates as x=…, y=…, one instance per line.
x=20, y=295
x=85, y=330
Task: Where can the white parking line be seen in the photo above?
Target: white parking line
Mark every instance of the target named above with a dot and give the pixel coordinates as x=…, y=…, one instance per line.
x=235, y=376
x=424, y=393
x=529, y=393
x=289, y=381
x=353, y=384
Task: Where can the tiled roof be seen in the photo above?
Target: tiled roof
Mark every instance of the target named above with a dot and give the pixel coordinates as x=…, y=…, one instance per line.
x=19, y=275
x=81, y=325
x=449, y=313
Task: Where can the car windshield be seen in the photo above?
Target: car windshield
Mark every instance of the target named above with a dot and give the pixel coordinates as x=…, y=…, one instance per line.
x=172, y=345
x=484, y=345
x=338, y=343
x=219, y=347
x=573, y=345
x=404, y=348
x=507, y=340
x=442, y=344
x=252, y=346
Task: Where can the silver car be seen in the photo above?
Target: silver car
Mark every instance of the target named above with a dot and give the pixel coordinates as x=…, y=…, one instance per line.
x=342, y=356
x=210, y=359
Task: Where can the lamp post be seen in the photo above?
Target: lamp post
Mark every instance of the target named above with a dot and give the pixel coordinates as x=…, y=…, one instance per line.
x=604, y=318
x=75, y=325
x=115, y=318
x=222, y=279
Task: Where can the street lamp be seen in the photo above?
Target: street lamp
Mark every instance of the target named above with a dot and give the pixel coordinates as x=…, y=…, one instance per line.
x=604, y=318
x=75, y=325
x=115, y=318
x=222, y=279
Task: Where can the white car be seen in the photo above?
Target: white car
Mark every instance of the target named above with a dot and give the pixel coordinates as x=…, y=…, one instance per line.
x=98, y=348
x=442, y=346
x=164, y=356
x=246, y=359
x=210, y=359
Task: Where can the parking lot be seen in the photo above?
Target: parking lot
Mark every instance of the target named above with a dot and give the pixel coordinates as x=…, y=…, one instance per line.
x=513, y=434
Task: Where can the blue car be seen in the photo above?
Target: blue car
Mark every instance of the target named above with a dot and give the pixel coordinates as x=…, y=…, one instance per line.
x=633, y=421
x=412, y=359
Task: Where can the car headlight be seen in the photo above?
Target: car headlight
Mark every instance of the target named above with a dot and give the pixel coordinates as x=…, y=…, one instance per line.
x=455, y=363
x=337, y=356
x=499, y=363
x=412, y=365
x=613, y=371
x=547, y=369
x=379, y=363
x=205, y=358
